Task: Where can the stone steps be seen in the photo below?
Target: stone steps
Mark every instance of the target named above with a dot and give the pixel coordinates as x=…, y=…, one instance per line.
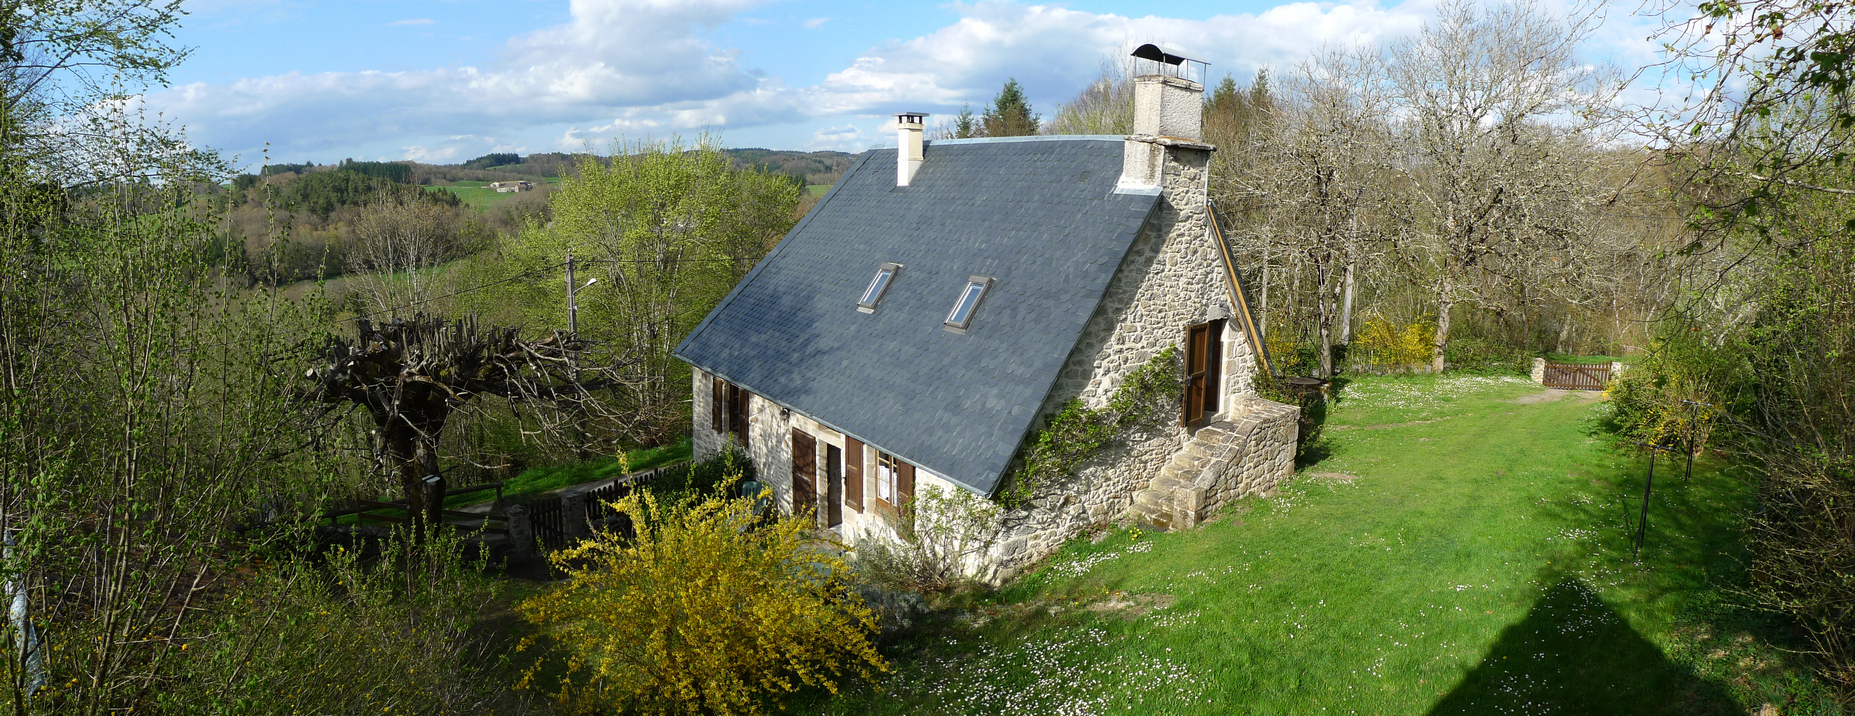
x=1155, y=505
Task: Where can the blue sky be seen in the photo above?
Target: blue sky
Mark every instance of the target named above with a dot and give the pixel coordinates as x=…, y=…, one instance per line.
x=447, y=80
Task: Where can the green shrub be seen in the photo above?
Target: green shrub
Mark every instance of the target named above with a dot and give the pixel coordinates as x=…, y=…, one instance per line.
x=336, y=633
x=936, y=538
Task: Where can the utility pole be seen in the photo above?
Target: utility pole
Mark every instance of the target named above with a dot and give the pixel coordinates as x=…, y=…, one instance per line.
x=573, y=309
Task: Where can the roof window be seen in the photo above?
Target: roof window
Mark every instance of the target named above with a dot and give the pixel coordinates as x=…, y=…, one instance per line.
x=962, y=314
x=885, y=275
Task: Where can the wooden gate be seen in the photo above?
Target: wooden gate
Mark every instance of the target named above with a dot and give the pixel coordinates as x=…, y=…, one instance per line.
x=549, y=522
x=1573, y=376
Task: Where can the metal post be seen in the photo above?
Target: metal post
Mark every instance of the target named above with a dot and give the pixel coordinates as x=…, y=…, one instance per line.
x=1642, y=523
x=573, y=309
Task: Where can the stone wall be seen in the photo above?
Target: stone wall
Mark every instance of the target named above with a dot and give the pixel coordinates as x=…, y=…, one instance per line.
x=1173, y=277
x=1259, y=455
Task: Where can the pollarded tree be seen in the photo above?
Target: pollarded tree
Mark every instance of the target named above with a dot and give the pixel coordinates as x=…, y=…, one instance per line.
x=411, y=376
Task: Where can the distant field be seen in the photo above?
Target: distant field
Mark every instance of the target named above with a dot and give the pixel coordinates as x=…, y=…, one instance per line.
x=818, y=189
x=479, y=196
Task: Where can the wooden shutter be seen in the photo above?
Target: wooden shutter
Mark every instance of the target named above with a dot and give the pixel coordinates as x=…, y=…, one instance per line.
x=853, y=473
x=717, y=398
x=904, y=483
x=834, y=480
x=804, y=472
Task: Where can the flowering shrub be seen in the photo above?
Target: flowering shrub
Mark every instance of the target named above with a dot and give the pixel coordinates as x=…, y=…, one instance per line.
x=706, y=610
x=1383, y=343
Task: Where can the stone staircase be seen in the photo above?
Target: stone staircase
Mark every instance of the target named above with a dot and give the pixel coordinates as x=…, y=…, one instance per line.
x=1173, y=500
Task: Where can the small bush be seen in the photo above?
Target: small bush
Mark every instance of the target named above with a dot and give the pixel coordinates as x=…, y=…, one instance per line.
x=703, y=612
x=340, y=634
x=721, y=470
x=936, y=539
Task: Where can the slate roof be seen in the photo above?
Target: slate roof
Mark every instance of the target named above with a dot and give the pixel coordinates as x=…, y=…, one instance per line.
x=1039, y=215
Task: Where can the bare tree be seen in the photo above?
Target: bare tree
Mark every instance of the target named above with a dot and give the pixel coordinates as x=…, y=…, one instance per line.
x=1491, y=115
x=1320, y=178
x=398, y=239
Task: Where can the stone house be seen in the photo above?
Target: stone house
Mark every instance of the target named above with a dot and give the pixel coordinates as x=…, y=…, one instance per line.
x=1055, y=265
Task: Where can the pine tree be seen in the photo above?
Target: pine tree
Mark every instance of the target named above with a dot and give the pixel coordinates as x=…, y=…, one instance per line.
x=966, y=126
x=1010, y=114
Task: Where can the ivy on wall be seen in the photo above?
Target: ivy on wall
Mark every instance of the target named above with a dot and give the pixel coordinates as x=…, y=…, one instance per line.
x=1147, y=397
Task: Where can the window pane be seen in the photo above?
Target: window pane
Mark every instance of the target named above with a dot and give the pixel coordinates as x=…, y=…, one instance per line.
x=884, y=478
x=967, y=300
x=876, y=285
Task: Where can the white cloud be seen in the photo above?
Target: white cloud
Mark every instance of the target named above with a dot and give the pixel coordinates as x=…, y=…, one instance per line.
x=634, y=68
x=815, y=23
x=414, y=21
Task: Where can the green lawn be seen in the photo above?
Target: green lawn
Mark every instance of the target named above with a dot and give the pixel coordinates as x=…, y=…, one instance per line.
x=817, y=189
x=479, y=196
x=1462, y=547
x=542, y=479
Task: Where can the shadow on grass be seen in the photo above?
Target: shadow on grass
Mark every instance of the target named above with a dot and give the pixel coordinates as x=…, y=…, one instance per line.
x=1575, y=654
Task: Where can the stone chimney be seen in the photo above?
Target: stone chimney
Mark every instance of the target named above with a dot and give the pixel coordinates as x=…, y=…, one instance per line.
x=1168, y=112
x=909, y=130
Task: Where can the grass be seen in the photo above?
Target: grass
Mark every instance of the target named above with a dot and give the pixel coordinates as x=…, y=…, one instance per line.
x=542, y=479
x=818, y=190
x=478, y=194
x=1463, y=547
x=534, y=481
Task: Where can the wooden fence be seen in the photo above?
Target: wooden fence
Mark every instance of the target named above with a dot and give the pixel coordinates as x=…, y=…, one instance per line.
x=1574, y=376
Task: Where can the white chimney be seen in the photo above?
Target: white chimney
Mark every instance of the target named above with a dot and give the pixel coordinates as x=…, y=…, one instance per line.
x=910, y=128
x=1168, y=111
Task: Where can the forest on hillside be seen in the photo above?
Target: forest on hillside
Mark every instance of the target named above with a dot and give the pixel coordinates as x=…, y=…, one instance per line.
x=198, y=362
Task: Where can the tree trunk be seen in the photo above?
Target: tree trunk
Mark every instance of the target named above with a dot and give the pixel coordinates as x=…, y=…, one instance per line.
x=1262, y=319
x=413, y=454
x=1346, y=307
x=1445, y=300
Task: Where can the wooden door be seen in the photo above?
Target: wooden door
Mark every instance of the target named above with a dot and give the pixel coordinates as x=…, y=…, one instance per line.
x=1197, y=366
x=834, y=477
x=804, y=473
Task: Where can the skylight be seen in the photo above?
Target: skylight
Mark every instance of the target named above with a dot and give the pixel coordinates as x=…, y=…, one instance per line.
x=962, y=314
x=878, y=285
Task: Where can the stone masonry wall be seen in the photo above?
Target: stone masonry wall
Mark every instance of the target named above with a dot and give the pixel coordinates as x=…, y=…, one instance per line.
x=1173, y=277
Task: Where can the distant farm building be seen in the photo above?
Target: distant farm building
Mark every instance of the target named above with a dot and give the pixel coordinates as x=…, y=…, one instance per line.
x=511, y=187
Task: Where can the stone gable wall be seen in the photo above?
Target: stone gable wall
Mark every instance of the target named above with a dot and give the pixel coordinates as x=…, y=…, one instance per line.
x=1173, y=277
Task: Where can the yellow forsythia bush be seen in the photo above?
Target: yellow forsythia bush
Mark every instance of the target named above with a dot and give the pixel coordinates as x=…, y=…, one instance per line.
x=1383, y=343
x=708, y=610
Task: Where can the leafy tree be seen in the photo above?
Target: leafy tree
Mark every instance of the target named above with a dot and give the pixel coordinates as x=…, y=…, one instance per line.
x=397, y=172
x=1010, y=114
x=703, y=611
x=494, y=160
x=667, y=230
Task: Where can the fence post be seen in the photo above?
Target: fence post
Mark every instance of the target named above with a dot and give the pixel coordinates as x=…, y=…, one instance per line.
x=573, y=517
x=522, y=536
x=1539, y=371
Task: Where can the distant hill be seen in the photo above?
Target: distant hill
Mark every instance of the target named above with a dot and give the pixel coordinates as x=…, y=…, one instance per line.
x=809, y=167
